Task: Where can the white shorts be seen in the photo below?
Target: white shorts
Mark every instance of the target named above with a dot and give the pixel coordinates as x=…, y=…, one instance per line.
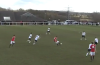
x=12, y=42
x=92, y=53
x=57, y=42
x=36, y=39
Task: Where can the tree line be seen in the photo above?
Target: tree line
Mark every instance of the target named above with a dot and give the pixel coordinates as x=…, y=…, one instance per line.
x=60, y=15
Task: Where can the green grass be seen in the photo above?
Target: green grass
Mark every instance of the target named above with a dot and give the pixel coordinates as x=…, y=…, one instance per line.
x=45, y=52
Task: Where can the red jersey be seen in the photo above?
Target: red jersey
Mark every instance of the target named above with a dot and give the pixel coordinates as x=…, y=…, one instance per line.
x=55, y=39
x=92, y=48
x=13, y=38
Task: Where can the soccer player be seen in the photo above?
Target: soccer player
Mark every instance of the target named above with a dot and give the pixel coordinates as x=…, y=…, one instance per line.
x=89, y=49
x=12, y=41
x=93, y=50
x=96, y=40
x=29, y=38
x=83, y=35
x=56, y=41
x=48, y=31
x=36, y=39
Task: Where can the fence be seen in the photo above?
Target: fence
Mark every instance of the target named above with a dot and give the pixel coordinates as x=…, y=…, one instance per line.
x=29, y=23
x=41, y=23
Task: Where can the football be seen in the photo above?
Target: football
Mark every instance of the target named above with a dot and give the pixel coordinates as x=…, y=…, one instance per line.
x=61, y=43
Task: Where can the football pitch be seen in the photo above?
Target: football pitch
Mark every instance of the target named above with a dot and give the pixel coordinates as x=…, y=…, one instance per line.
x=46, y=52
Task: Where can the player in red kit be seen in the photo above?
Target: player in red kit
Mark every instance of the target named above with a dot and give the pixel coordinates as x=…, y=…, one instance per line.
x=56, y=41
x=93, y=50
x=12, y=41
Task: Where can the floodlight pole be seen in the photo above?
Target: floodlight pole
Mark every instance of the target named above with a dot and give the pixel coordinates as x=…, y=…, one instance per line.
x=68, y=12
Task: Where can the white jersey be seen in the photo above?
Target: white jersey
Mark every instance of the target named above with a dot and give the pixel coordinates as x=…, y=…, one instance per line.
x=83, y=33
x=30, y=36
x=96, y=40
x=48, y=29
x=90, y=46
x=37, y=37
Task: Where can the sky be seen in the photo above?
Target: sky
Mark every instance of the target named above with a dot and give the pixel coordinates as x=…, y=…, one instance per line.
x=58, y=5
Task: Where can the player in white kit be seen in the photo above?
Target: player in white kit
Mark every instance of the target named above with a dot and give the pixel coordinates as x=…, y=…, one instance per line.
x=48, y=31
x=96, y=40
x=89, y=49
x=29, y=38
x=83, y=35
x=36, y=39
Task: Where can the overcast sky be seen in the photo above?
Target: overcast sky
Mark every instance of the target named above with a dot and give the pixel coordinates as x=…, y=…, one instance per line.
x=75, y=5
